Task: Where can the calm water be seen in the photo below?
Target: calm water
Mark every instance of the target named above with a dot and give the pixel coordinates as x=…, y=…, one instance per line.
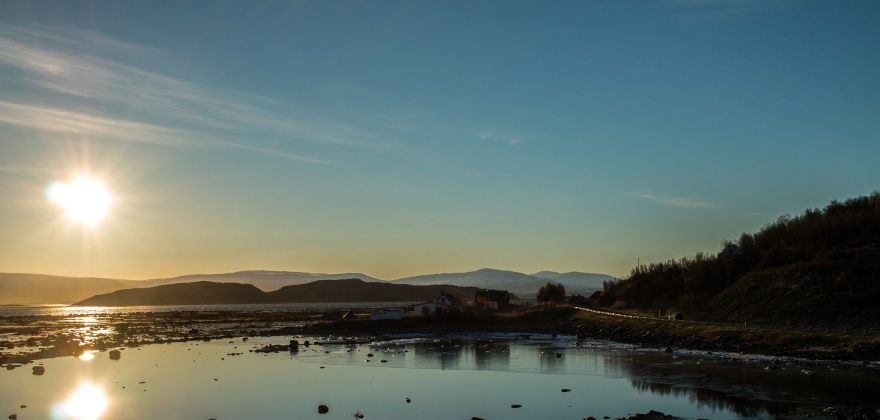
x=453, y=378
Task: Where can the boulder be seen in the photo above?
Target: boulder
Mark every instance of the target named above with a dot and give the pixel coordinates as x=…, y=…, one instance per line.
x=38, y=370
x=323, y=409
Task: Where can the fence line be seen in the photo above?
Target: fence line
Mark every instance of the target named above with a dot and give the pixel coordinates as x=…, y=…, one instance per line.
x=856, y=331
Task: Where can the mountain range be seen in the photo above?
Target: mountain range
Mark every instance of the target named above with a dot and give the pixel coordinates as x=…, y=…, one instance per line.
x=522, y=284
x=18, y=288
x=321, y=291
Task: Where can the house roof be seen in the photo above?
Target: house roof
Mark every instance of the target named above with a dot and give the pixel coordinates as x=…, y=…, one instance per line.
x=492, y=295
x=451, y=299
x=349, y=315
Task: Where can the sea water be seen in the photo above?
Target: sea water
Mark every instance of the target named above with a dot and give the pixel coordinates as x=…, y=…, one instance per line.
x=444, y=378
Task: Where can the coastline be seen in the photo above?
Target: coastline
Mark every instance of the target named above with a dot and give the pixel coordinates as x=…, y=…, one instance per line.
x=28, y=338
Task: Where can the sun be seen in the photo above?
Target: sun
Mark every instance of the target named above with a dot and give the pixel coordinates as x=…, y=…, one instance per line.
x=87, y=403
x=85, y=200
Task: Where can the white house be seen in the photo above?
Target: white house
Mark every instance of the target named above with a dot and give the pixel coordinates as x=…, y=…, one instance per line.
x=387, y=314
x=445, y=302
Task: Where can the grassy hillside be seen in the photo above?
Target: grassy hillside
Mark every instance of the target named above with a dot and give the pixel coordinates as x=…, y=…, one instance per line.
x=817, y=268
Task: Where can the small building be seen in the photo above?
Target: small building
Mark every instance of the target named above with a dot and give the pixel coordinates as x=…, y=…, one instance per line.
x=575, y=298
x=596, y=295
x=388, y=314
x=349, y=315
x=498, y=299
x=445, y=302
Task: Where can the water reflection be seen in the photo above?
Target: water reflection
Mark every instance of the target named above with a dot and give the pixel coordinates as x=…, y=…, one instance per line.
x=714, y=400
x=88, y=402
x=714, y=383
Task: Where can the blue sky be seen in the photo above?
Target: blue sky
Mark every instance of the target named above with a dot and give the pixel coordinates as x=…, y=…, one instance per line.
x=405, y=138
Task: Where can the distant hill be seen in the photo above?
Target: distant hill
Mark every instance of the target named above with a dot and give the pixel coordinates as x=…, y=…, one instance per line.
x=43, y=289
x=519, y=283
x=19, y=288
x=195, y=293
x=523, y=284
x=818, y=268
x=264, y=280
x=576, y=280
x=322, y=291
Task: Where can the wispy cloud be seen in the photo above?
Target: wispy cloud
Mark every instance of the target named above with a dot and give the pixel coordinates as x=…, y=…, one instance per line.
x=149, y=105
x=671, y=201
x=492, y=136
x=56, y=121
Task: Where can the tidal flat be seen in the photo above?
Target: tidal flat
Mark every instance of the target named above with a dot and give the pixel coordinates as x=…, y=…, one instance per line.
x=234, y=364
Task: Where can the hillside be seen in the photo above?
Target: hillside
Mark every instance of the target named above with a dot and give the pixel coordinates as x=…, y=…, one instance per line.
x=485, y=278
x=322, y=291
x=19, y=288
x=262, y=279
x=44, y=289
x=196, y=293
x=818, y=268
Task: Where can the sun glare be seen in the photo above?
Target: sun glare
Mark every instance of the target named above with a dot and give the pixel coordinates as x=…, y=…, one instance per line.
x=85, y=200
x=87, y=403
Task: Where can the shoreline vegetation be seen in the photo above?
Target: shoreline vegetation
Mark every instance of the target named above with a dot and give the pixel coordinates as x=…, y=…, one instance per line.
x=819, y=269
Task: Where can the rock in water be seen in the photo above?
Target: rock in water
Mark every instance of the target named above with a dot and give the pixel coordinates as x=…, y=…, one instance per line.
x=323, y=409
x=515, y=406
x=566, y=390
x=38, y=370
x=408, y=400
x=477, y=418
x=667, y=350
x=115, y=354
x=558, y=355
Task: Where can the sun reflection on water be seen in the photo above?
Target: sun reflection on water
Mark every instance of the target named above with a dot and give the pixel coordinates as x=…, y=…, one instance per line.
x=86, y=403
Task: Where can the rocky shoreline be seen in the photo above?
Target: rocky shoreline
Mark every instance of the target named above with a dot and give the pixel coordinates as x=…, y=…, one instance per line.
x=660, y=334
x=24, y=339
